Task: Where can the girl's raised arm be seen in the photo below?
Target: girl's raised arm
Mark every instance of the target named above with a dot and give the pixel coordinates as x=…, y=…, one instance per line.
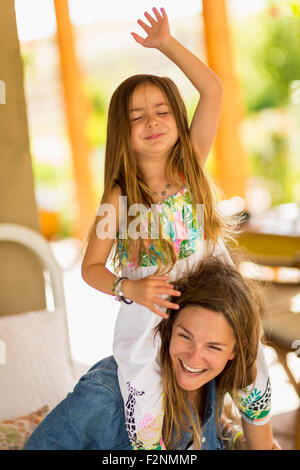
x=206, y=118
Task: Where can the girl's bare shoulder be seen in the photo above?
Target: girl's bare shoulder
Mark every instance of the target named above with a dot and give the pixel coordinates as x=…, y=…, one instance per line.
x=113, y=195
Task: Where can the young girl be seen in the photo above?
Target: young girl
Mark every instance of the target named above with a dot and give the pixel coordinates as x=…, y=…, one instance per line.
x=154, y=158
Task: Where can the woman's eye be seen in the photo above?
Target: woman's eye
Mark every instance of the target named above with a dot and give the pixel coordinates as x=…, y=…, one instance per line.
x=183, y=336
x=213, y=347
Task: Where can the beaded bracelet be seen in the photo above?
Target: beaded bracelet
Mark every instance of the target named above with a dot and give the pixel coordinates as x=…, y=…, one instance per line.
x=231, y=432
x=118, y=297
x=116, y=282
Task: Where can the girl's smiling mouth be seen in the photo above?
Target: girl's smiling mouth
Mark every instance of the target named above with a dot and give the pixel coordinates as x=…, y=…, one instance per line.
x=154, y=136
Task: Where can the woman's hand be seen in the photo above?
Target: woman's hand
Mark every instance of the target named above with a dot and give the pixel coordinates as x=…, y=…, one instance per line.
x=146, y=292
x=159, y=31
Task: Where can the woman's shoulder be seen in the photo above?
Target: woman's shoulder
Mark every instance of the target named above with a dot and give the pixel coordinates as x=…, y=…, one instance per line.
x=104, y=365
x=104, y=375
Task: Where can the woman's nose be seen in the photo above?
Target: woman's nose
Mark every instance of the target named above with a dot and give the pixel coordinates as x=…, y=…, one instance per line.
x=197, y=358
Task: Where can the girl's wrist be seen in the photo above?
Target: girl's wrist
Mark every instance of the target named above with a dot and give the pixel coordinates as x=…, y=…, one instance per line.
x=118, y=290
x=127, y=288
x=232, y=434
x=165, y=44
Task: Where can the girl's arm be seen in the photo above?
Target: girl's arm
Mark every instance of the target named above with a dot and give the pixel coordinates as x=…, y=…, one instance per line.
x=206, y=118
x=259, y=437
x=250, y=438
x=145, y=291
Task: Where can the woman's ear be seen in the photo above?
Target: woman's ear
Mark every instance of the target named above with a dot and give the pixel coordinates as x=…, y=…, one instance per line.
x=232, y=356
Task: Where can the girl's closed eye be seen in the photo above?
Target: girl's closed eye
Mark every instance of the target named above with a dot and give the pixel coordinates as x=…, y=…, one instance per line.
x=135, y=119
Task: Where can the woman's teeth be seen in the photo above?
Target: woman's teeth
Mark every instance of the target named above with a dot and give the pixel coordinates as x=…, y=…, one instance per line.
x=192, y=371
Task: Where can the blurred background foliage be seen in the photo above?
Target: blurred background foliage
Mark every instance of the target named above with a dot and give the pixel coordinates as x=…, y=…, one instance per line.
x=268, y=64
x=268, y=55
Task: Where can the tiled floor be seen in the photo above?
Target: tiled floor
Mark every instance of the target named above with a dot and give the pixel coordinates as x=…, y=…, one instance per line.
x=91, y=318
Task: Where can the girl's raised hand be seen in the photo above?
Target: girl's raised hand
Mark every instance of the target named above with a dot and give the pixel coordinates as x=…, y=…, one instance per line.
x=147, y=291
x=158, y=33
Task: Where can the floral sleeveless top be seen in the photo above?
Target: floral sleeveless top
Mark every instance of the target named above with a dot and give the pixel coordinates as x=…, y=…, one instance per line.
x=180, y=222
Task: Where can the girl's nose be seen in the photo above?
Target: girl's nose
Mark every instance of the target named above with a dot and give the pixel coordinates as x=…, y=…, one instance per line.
x=151, y=120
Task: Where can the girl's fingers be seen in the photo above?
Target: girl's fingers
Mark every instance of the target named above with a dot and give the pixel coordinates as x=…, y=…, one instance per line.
x=172, y=306
x=164, y=284
x=170, y=290
x=164, y=14
x=150, y=19
x=159, y=312
x=137, y=38
x=156, y=13
x=166, y=304
x=175, y=292
x=144, y=26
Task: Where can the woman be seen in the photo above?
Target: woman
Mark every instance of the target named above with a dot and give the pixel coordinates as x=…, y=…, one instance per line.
x=215, y=335
x=208, y=347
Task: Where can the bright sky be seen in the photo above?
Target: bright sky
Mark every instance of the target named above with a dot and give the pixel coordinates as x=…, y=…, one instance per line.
x=36, y=18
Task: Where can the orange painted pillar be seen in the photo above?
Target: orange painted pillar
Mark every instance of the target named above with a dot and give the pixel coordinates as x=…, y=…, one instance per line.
x=77, y=109
x=230, y=159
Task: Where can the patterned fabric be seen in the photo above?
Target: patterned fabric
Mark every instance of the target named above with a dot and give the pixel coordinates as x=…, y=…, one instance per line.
x=179, y=224
x=148, y=432
x=15, y=432
x=256, y=406
x=255, y=401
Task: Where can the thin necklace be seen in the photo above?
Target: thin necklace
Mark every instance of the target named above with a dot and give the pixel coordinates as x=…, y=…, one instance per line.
x=163, y=193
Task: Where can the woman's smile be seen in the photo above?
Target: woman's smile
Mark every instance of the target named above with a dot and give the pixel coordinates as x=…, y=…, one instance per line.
x=190, y=371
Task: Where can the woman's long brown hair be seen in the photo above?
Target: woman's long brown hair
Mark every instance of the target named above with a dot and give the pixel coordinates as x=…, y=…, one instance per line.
x=218, y=286
x=121, y=167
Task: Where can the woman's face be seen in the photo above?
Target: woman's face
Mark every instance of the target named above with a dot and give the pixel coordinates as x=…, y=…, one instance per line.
x=202, y=343
x=150, y=114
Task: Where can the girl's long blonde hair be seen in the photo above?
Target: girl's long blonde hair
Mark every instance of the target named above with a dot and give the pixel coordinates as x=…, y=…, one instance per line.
x=218, y=286
x=121, y=167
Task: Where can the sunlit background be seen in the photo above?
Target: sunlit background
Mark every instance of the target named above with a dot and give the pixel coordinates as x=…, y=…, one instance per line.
x=266, y=37
x=268, y=71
